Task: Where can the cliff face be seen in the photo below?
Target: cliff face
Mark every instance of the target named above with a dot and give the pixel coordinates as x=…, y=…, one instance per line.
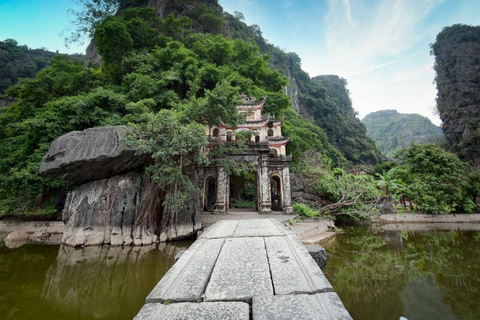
x=339, y=120
x=392, y=130
x=457, y=64
x=206, y=16
x=323, y=101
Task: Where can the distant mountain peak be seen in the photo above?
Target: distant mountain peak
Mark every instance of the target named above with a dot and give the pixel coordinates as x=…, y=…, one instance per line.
x=392, y=130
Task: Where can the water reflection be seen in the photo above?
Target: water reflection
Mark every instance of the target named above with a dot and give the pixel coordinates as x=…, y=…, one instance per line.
x=105, y=282
x=57, y=282
x=423, y=299
x=418, y=275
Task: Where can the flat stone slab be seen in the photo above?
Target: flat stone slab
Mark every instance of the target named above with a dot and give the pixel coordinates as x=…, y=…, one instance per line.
x=292, y=267
x=198, y=311
x=259, y=228
x=245, y=229
x=236, y=264
x=241, y=271
x=187, y=279
x=221, y=229
x=325, y=306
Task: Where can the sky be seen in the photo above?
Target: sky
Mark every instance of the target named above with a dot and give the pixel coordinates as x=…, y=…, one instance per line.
x=381, y=47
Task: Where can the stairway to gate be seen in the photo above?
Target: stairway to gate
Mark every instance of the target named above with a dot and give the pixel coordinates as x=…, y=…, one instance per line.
x=244, y=269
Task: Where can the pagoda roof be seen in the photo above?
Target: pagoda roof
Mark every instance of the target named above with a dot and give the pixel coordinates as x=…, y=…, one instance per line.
x=249, y=103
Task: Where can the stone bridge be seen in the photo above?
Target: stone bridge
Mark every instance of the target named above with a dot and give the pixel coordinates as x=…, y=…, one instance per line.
x=247, y=269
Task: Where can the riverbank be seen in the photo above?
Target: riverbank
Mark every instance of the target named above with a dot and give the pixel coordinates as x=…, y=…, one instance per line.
x=309, y=230
x=427, y=218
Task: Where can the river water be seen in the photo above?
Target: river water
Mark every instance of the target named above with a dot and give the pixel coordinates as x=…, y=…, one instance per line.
x=58, y=282
x=415, y=275
x=377, y=274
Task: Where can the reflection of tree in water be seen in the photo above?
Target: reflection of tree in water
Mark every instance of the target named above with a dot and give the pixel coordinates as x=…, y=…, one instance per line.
x=454, y=257
x=22, y=273
x=105, y=282
x=361, y=273
x=369, y=273
x=423, y=299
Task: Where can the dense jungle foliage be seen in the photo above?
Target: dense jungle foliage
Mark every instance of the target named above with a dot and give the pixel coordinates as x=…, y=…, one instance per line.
x=18, y=61
x=423, y=178
x=392, y=131
x=326, y=103
x=457, y=64
x=155, y=70
x=167, y=75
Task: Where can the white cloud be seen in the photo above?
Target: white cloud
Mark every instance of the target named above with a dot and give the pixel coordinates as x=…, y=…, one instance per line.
x=376, y=48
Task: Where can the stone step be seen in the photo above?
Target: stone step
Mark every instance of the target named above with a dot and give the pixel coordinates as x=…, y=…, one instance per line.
x=197, y=311
x=318, y=237
x=187, y=279
x=293, y=268
x=241, y=272
x=325, y=306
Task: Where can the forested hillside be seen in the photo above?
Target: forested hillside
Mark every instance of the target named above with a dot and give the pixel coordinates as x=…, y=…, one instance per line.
x=165, y=76
x=325, y=101
x=18, y=61
x=457, y=64
x=340, y=121
x=154, y=70
x=392, y=130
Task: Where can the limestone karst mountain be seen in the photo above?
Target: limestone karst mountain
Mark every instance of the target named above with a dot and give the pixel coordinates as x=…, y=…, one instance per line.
x=324, y=100
x=392, y=130
x=457, y=64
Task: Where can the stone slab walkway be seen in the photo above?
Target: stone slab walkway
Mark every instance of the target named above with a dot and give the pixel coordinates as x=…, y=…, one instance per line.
x=244, y=269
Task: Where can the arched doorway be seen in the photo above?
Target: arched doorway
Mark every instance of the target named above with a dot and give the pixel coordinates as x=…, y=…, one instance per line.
x=276, y=193
x=243, y=190
x=210, y=194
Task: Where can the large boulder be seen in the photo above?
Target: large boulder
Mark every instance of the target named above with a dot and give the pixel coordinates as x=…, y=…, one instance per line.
x=91, y=154
x=124, y=210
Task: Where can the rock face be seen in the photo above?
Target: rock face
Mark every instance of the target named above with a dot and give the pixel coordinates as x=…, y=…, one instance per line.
x=457, y=64
x=124, y=210
x=115, y=202
x=302, y=193
x=16, y=239
x=5, y=102
x=318, y=254
x=88, y=155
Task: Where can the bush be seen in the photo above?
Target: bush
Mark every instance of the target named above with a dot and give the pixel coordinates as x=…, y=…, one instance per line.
x=303, y=210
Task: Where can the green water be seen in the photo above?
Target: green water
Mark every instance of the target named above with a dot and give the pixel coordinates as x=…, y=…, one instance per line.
x=56, y=282
x=417, y=275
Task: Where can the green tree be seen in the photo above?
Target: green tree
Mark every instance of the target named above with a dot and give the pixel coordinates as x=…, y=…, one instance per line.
x=440, y=185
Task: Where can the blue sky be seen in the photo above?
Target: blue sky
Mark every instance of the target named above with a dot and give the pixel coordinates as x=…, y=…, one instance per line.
x=380, y=46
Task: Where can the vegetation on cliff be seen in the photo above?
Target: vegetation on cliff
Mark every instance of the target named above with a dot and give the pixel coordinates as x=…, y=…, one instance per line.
x=341, y=124
x=392, y=131
x=167, y=75
x=153, y=69
x=18, y=61
x=457, y=64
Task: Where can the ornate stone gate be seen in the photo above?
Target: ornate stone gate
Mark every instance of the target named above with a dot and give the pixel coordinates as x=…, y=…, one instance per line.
x=265, y=152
